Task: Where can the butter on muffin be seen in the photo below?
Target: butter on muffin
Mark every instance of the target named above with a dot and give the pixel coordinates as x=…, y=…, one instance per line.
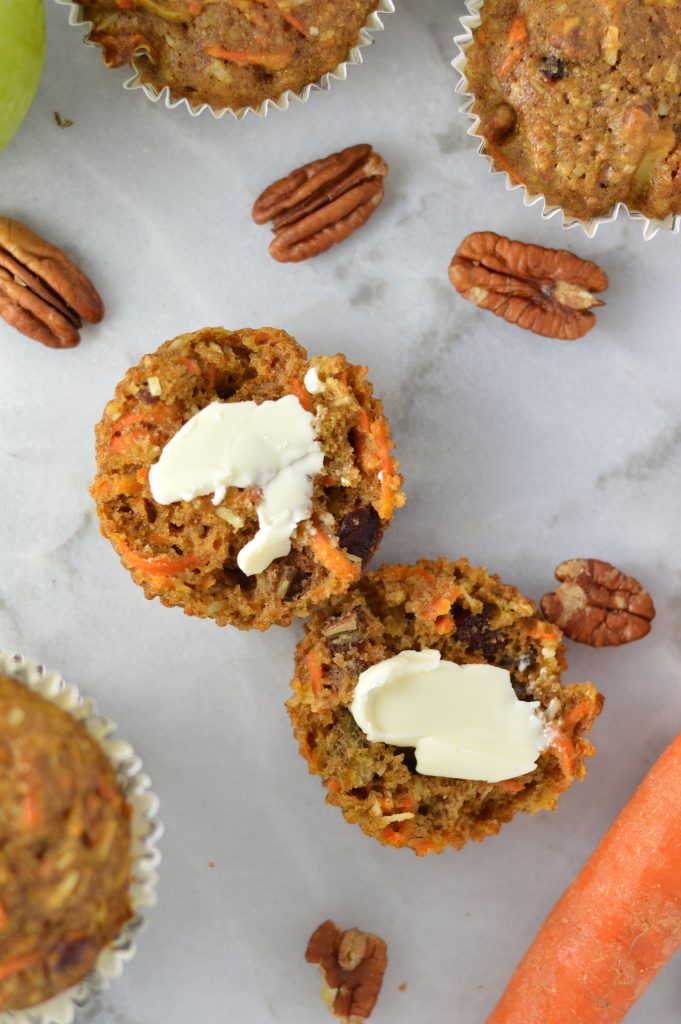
x=65, y=849
x=227, y=53
x=581, y=102
x=242, y=482
x=465, y=680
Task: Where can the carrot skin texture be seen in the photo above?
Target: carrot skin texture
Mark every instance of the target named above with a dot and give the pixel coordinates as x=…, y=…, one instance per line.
x=617, y=924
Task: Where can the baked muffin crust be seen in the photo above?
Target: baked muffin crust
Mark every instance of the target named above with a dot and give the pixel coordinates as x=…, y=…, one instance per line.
x=470, y=617
x=64, y=849
x=227, y=53
x=581, y=102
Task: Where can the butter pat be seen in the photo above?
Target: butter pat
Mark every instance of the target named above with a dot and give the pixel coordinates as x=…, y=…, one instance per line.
x=465, y=721
x=271, y=446
x=312, y=382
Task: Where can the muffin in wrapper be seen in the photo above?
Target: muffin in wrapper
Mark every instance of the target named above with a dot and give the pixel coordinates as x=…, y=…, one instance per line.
x=146, y=830
x=365, y=38
x=469, y=23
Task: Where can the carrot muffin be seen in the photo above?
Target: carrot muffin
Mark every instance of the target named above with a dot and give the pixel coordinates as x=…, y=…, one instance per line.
x=506, y=663
x=65, y=856
x=227, y=53
x=581, y=102
x=241, y=481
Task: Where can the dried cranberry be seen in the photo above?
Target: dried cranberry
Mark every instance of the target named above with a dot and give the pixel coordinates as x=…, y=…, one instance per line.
x=360, y=532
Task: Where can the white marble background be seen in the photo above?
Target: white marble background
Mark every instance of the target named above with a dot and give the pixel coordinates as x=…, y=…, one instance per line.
x=517, y=452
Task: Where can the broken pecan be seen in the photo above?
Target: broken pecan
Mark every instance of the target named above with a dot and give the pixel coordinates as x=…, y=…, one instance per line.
x=42, y=293
x=352, y=965
x=597, y=604
x=322, y=203
x=548, y=291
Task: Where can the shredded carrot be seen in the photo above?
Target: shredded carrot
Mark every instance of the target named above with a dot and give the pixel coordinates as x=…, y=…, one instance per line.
x=510, y=786
x=190, y=365
x=303, y=396
x=542, y=631
x=444, y=624
x=115, y=486
x=315, y=673
x=393, y=836
x=578, y=712
x=564, y=749
x=195, y=6
x=273, y=61
x=334, y=785
x=159, y=565
x=288, y=17
x=4, y=919
x=518, y=31
x=331, y=557
x=17, y=963
x=422, y=847
x=373, y=453
x=31, y=810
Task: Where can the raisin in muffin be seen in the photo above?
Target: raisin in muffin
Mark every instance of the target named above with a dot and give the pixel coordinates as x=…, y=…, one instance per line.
x=185, y=553
x=227, y=53
x=581, y=102
x=470, y=617
x=65, y=849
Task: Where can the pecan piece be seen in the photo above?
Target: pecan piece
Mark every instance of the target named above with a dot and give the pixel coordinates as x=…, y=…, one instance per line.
x=352, y=965
x=548, y=291
x=42, y=293
x=597, y=604
x=322, y=203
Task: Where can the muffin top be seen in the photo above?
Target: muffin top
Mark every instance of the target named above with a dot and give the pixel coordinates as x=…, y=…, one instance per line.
x=469, y=617
x=227, y=53
x=581, y=102
x=189, y=552
x=64, y=849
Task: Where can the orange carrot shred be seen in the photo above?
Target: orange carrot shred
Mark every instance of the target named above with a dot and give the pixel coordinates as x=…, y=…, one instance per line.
x=303, y=396
x=17, y=963
x=578, y=712
x=444, y=624
x=334, y=785
x=331, y=557
x=518, y=30
x=314, y=671
x=190, y=365
x=31, y=811
x=160, y=565
x=273, y=61
x=4, y=919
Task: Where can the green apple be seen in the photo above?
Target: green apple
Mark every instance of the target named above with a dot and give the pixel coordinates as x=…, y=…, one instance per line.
x=22, y=54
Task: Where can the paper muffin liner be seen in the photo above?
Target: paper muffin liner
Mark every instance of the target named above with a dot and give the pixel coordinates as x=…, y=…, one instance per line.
x=146, y=832
x=372, y=24
x=471, y=21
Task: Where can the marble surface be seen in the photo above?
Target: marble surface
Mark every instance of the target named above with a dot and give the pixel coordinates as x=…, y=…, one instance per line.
x=516, y=451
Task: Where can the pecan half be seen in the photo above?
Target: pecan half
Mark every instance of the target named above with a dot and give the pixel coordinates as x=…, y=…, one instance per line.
x=352, y=965
x=597, y=604
x=42, y=293
x=548, y=291
x=322, y=203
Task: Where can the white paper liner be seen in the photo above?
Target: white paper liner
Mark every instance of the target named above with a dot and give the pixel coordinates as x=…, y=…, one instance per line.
x=471, y=21
x=281, y=102
x=146, y=832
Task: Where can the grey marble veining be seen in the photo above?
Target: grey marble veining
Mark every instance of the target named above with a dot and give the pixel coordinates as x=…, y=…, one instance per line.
x=517, y=451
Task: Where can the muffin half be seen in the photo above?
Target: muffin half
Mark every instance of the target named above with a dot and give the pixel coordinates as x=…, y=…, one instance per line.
x=470, y=618
x=189, y=553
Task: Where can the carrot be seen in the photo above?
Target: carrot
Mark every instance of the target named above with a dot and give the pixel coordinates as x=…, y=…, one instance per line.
x=31, y=810
x=115, y=486
x=373, y=453
x=159, y=565
x=332, y=558
x=190, y=365
x=274, y=61
x=617, y=924
x=297, y=389
x=315, y=673
x=518, y=30
x=17, y=963
x=444, y=624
